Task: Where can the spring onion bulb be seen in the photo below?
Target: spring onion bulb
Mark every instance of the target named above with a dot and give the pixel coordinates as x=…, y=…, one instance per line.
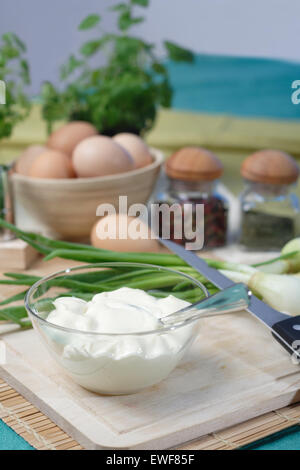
x=280, y=291
x=288, y=262
x=280, y=266
x=291, y=246
x=285, y=263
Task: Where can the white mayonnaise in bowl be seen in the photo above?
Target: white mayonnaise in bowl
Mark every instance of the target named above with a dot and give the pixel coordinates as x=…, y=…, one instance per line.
x=101, y=323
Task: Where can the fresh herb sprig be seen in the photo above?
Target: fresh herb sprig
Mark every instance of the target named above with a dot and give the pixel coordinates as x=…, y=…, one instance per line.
x=14, y=72
x=122, y=95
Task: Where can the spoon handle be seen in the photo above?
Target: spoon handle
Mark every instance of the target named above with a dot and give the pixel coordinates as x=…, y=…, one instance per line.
x=232, y=299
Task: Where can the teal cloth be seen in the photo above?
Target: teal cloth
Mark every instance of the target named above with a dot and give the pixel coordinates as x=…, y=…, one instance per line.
x=9, y=440
x=241, y=86
x=229, y=85
x=289, y=439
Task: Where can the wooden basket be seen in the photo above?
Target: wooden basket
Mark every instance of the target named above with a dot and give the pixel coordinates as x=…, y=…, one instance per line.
x=67, y=208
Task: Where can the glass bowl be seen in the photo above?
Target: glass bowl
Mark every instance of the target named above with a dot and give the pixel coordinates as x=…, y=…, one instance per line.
x=114, y=363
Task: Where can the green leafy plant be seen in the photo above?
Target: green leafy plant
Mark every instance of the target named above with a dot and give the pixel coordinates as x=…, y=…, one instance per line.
x=14, y=72
x=124, y=94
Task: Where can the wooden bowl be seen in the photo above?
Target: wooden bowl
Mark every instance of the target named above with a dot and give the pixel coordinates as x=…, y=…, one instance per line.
x=67, y=208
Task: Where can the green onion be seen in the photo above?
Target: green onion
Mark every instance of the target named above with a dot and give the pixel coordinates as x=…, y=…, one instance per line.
x=14, y=298
x=268, y=280
x=105, y=256
x=29, y=281
x=13, y=314
x=281, y=291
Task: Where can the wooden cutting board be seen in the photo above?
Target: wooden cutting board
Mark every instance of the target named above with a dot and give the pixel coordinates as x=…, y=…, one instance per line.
x=234, y=371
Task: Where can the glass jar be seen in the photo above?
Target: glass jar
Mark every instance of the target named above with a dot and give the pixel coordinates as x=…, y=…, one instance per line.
x=187, y=194
x=200, y=218
x=270, y=215
x=270, y=210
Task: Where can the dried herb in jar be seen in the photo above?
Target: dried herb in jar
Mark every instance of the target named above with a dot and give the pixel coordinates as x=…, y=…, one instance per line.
x=270, y=211
x=262, y=231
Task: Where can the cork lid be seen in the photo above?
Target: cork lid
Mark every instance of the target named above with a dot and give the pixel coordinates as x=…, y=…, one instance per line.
x=271, y=167
x=194, y=164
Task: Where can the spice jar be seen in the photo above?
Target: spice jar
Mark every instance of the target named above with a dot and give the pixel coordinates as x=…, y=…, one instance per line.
x=192, y=175
x=269, y=208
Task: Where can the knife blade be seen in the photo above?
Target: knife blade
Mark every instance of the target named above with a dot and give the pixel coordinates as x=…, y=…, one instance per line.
x=285, y=329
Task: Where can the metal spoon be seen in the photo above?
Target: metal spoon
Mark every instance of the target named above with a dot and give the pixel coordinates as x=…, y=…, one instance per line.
x=232, y=299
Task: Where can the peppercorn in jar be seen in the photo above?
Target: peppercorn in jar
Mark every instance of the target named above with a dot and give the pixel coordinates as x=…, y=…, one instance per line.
x=192, y=175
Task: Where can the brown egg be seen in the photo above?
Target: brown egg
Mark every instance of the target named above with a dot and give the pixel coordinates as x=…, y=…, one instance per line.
x=52, y=164
x=26, y=159
x=136, y=147
x=100, y=156
x=109, y=226
x=68, y=136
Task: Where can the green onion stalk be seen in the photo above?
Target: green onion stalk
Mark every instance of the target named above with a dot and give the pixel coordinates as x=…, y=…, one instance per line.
x=88, y=254
x=271, y=280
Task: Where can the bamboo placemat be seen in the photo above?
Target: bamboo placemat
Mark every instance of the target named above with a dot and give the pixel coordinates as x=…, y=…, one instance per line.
x=40, y=432
x=249, y=431
x=27, y=421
